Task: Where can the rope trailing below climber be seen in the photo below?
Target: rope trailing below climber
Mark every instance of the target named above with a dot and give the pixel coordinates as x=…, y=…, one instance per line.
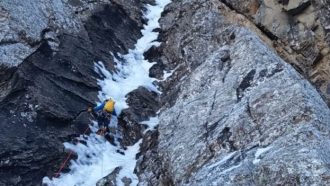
x=102, y=113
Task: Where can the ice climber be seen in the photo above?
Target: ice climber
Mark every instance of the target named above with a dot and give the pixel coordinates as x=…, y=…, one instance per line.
x=103, y=113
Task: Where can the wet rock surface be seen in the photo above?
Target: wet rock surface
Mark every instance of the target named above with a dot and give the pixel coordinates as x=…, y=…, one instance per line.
x=44, y=96
x=233, y=111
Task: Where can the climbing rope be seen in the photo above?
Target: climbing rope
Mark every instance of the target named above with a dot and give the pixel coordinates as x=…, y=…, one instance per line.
x=102, y=133
x=67, y=159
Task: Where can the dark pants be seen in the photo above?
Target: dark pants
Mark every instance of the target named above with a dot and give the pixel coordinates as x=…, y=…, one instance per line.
x=103, y=119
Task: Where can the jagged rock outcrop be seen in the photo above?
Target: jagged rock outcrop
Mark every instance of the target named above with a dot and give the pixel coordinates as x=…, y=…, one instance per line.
x=24, y=24
x=109, y=180
x=142, y=105
x=299, y=32
x=234, y=113
x=48, y=50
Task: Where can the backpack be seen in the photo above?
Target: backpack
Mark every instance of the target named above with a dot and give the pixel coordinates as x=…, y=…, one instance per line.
x=109, y=106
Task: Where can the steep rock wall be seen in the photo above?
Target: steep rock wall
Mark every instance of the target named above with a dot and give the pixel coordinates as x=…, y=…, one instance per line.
x=46, y=85
x=234, y=113
x=299, y=30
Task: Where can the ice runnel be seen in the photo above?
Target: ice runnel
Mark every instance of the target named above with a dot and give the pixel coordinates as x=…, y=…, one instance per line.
x=96, y=156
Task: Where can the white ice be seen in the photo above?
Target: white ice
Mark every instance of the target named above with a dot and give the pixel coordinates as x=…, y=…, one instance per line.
x=133, y=69
x=151, y=123
x=259, y=152
x=95, y=160
x=223, y=160
x=99, y=158
x=167, y=74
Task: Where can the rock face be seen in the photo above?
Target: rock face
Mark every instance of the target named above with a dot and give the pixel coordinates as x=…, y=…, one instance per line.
x=109, y=180
x=48, y=50
x=234, y=113
x=25, y=23
x=237, y=110
x=299, y=32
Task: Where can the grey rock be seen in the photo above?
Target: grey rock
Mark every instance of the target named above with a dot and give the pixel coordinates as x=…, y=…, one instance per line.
x=43, y=99
x=298, y=30
x=248, y=120
x=271, y=16
x=110, y=180
x=295, y=7
x=276, y=111
x=232, y=113
x=135, y=9
x=247, y=7
x=13, y=54
x=126, y=181
x=142, y=105
x=24, y=22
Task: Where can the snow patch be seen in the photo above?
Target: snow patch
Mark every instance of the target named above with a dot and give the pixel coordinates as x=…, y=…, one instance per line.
x=119, y=84
x=230, y=169
x=225, y=164
x=169, y=74
x=259, y=152
x=133, y=68
x=223, y=160
x=95, y=160
x=152, y=123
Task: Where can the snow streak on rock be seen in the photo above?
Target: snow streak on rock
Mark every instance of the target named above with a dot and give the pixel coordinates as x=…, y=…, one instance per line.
x=151, y=123
x=258, y=154
x=98, y=158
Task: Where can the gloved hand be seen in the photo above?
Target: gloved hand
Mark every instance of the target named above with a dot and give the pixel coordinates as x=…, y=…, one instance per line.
x=89, y=109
